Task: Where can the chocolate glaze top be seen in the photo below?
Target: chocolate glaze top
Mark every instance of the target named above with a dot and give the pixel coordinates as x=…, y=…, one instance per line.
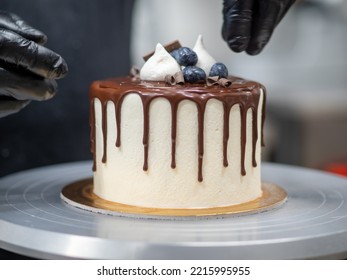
x=242, y=92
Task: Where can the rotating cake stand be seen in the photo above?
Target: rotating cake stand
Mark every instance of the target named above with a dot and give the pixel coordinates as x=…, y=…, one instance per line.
x=34, y=221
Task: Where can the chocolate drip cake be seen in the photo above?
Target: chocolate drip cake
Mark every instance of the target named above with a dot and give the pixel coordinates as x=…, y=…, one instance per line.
x=191, y=144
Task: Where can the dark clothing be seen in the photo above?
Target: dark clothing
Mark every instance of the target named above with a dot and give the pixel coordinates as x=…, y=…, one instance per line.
x=93, y=37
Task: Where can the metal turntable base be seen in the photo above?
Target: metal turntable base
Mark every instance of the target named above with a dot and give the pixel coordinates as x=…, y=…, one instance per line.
x=34, y=221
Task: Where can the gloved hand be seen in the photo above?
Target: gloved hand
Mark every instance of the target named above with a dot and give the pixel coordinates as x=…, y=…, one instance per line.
x=249, y=24
x=28, y=70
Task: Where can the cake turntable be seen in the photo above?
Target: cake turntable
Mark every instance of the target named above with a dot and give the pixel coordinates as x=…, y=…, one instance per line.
x=36, y=222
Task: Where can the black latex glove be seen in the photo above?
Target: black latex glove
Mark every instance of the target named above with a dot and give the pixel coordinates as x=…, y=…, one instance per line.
x=28, y=70
x=249, y=24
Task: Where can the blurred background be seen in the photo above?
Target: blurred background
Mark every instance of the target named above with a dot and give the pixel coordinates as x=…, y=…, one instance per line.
x=304, y=68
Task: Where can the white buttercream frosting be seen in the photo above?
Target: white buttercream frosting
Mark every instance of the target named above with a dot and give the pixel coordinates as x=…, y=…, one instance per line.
x=159, y=65
x=205, y=60
x=121, y=179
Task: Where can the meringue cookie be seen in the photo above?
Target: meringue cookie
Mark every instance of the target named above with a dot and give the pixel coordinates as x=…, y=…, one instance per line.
x=159, y=65
x=205, y=60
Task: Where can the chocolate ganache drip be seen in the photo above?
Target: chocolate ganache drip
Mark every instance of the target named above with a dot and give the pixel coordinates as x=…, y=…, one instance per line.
x=244, y=93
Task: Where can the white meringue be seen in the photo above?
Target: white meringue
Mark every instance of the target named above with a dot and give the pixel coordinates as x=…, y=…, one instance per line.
x=159, y=65
x=205, y=60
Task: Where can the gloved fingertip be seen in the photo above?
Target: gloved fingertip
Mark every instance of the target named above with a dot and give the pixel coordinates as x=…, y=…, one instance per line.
x=29, y=32
x=255, y=49
x=60, y=69
x=238, y=43
x=51, y=90
x=33, y=35
x=42, y=39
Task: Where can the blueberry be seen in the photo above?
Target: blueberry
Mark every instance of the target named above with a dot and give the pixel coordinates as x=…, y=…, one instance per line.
x=174, y=54
x=219, y=69
x=185, y=56
x=193, y=74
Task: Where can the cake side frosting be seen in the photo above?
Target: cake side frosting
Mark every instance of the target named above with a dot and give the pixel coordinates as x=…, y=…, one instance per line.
x=210, y=169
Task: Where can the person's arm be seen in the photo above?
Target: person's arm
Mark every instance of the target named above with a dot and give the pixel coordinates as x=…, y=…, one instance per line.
x=249, y=24
x=28, y=70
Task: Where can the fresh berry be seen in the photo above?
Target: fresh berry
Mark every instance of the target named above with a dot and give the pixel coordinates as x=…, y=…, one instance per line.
x=193, y=74
x=185, y=56
x=219, y=69
x=174, y=54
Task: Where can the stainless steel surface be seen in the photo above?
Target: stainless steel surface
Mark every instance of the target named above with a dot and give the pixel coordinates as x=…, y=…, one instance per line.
x=34, y=221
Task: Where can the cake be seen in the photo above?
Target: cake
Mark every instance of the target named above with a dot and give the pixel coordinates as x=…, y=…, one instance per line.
x=159, y=141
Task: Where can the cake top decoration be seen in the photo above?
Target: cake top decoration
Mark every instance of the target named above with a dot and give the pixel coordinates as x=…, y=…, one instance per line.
x=159, y=65
x=175, y=64
x=205, y=60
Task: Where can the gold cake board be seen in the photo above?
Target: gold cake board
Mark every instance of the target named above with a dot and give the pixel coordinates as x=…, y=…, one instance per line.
x=80, y=194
